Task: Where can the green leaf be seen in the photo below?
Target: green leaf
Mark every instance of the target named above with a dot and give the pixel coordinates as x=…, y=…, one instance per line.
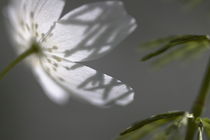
x=188, y=51
x=144, y=131
x=157, y=42
x=177, y=47
x=145, y=127
x=173, y=131
x=154, y=118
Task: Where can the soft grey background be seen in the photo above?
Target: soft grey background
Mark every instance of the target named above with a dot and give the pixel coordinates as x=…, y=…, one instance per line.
x=27, y=114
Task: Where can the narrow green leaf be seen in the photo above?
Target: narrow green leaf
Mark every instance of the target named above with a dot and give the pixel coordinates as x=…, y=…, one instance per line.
x=157, y=53
x=157, y=42
x=187, y=38
x=189, y=50
x=173, y=131
x=175, y=41
x=166, y=116
x=144, y=131
x=147, y=126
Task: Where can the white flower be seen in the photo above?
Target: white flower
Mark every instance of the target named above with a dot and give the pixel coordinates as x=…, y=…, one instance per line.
x=83, y=34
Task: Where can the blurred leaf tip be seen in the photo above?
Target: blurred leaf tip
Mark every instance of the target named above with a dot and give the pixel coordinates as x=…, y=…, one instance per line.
x=174, y=47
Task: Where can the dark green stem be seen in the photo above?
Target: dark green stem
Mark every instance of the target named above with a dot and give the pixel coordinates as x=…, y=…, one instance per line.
x=27, y=53
x=199, y=104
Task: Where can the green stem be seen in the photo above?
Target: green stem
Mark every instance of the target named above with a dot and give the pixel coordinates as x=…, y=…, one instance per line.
x=27, y=53
x=199, y=104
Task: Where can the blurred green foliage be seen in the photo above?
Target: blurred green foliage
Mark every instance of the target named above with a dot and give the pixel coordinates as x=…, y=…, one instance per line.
x=192, y=3
x=170, y=123
x=167, y=126
x=179, y=47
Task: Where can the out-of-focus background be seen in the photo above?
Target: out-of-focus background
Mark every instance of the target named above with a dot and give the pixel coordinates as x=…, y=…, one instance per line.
x=27, y=114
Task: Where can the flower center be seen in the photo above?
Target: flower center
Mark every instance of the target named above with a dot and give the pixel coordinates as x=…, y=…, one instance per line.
x=36, y=47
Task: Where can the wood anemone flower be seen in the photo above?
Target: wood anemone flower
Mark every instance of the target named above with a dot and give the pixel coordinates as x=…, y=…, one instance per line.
x=57, y=46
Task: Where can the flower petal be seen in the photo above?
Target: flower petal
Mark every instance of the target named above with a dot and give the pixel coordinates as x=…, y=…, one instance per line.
x=13, y=16
x=45, y=12
x=39, y=13
x=86, y=83
x=51, y=88
x=91, y=31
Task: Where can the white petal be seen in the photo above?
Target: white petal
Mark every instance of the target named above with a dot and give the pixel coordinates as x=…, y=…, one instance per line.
x=49, y=13
x=86, y=83
x=91, y=31
x=51, y=88
x=13, y=16
x=42, y=13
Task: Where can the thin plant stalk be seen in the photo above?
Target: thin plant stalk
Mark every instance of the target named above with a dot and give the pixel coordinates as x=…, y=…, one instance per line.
x=19, y=59
x=199, y=104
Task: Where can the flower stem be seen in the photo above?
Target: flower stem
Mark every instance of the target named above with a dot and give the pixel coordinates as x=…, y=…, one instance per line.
x=25, y=54
x=199, y=104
